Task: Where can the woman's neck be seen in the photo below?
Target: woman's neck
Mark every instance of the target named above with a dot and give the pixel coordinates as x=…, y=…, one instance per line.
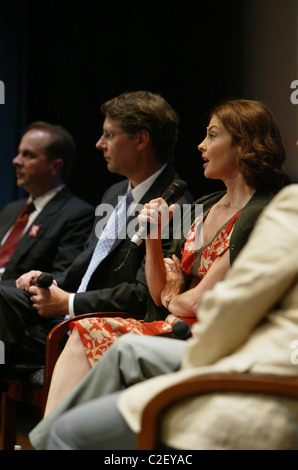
x=238, y=194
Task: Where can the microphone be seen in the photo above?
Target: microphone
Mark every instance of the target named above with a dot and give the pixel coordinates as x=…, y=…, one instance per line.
x=44, y=280
x=171, y=195
x=181, y=330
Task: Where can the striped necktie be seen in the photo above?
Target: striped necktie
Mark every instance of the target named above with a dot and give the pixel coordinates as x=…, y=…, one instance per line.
x=107, y=239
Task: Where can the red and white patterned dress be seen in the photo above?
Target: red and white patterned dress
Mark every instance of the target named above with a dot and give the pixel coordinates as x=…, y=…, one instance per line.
x=98, y=334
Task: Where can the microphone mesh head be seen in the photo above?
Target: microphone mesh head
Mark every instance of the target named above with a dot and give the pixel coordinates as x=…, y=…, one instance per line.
x=175, y=191
x=44, y=280
x=180, y=330
x=180, y=186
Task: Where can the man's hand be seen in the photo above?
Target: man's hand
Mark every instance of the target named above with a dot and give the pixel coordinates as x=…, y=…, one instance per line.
x=51, y=302
x=24, y=281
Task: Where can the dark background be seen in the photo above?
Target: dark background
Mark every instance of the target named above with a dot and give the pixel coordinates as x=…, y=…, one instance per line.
x=60, y=60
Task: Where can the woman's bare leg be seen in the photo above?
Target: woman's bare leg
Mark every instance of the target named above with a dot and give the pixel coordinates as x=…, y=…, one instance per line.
x=70, y=369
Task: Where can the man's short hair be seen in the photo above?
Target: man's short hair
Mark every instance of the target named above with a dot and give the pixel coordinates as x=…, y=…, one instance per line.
x=60, y=144
x=141, y=110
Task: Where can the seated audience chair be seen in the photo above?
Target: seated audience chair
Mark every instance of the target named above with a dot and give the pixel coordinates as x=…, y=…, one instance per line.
x=148, y=438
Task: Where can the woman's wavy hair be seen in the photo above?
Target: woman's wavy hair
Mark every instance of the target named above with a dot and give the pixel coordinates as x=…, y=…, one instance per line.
x=253, y=128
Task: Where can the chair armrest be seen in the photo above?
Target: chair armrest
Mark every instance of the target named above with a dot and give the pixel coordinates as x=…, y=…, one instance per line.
x=148, y=438
x=61, y=329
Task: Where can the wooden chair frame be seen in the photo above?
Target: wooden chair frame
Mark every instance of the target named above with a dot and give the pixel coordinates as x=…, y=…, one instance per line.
x=20, y=390
x=149, y=436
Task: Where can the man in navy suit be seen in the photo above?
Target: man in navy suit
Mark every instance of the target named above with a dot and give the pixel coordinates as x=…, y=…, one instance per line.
x=60, y=222
x=138, y=141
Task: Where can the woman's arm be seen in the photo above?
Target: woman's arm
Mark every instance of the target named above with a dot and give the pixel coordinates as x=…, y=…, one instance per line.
x=186, y=304
x=155, y=270
x=157, y=214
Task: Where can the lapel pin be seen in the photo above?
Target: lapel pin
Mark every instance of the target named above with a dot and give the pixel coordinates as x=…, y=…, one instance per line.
x=33, y=232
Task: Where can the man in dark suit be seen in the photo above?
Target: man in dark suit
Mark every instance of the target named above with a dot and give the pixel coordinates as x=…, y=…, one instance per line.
x=59, y=223
x=138, y=141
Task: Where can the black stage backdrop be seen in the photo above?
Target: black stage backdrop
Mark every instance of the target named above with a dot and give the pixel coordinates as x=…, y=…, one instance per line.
x=60, y=60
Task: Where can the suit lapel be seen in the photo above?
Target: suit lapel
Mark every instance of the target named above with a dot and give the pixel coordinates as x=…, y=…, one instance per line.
x=40, y=225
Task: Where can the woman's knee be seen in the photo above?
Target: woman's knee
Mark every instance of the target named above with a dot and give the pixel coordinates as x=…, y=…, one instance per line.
x=74, y=341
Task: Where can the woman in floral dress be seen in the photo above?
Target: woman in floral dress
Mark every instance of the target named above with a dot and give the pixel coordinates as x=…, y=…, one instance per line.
x=243, y=149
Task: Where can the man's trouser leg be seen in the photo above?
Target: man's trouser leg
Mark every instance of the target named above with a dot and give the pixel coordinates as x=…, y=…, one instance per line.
x=130, y=360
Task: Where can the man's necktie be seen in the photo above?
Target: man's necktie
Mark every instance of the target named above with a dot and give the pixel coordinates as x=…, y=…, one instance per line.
x=110, y=233
x=10, y=244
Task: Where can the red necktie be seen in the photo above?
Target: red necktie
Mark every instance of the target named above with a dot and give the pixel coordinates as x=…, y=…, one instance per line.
x=10, y=244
